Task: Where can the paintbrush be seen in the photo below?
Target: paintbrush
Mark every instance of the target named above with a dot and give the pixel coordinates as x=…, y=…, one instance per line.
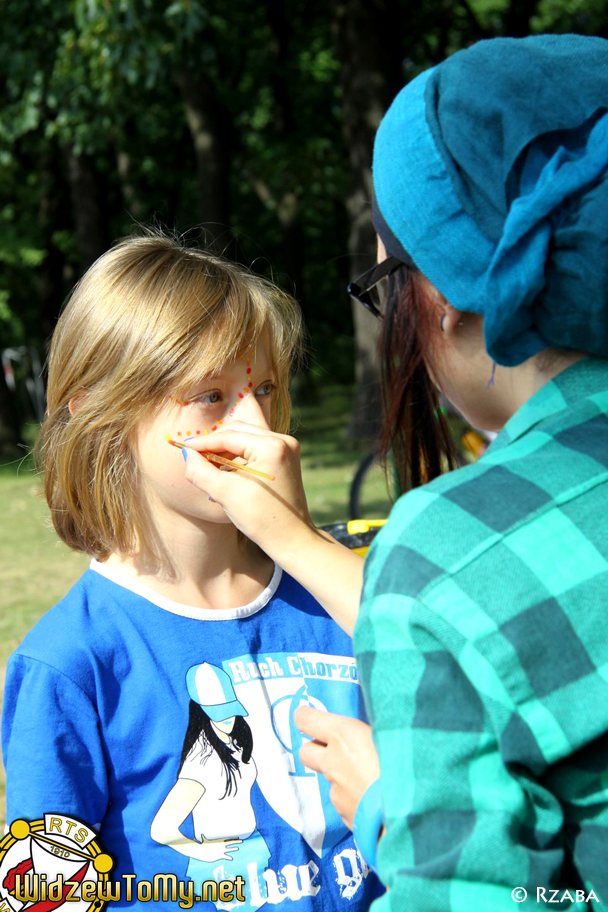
x=213, y=457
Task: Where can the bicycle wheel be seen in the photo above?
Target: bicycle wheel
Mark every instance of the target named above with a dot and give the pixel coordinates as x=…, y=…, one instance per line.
x=369, y=496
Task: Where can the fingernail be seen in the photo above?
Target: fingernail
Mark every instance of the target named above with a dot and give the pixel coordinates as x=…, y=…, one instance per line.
x=185, y=454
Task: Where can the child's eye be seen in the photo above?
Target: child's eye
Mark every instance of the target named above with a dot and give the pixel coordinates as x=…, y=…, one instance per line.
x=210, y=398
x=265, y=389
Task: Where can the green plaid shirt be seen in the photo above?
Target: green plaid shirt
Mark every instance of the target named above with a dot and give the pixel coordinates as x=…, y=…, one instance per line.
x=482, y=645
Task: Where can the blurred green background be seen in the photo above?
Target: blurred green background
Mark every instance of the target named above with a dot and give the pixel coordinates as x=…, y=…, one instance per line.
x=248, y=126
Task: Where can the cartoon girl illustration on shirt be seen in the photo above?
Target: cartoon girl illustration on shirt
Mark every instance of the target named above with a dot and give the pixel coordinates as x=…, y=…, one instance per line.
x=214, y=784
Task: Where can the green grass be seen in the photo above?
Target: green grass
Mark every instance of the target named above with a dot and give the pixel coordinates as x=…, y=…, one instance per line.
x=37, y=569
x=328, y=466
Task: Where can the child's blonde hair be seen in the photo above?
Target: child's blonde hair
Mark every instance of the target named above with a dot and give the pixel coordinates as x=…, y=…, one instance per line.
x=148, y=320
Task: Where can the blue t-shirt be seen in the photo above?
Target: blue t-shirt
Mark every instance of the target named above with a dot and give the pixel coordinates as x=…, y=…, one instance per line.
x=96, y=725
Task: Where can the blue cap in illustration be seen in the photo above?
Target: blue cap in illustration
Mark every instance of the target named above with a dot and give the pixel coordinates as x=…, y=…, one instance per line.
x=212, y=689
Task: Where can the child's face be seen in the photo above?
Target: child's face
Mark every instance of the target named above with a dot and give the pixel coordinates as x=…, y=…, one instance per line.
x=244, y=389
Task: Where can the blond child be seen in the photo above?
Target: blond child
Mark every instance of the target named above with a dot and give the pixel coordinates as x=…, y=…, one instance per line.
x=155, y=702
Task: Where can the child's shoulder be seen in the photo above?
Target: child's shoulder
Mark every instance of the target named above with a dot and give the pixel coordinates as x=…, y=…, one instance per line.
x=293, y=594
x=72, y=634
x=304, y=615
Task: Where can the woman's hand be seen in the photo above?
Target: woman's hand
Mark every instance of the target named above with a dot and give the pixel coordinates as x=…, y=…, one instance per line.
x=343, y=751
x=274, y=514
x=213, y=849
x=263, y=510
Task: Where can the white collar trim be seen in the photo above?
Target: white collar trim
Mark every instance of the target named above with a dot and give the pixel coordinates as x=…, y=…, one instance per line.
x=189, y=611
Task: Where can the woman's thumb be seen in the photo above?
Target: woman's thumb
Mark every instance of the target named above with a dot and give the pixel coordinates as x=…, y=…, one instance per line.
x=202, y=474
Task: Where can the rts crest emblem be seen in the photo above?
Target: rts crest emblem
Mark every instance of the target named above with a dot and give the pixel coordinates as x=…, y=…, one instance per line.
x=50, y=863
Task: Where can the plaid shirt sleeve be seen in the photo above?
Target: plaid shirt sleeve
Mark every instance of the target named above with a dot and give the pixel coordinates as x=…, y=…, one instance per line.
x=483, y=653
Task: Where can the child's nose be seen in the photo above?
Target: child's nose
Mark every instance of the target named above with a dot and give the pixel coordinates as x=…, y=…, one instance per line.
x=250, y=410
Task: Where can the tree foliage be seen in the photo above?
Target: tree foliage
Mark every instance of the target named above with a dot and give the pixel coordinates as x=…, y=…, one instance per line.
x=235, y=122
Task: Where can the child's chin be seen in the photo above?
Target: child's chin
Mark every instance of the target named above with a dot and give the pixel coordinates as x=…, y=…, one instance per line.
x=214, y=513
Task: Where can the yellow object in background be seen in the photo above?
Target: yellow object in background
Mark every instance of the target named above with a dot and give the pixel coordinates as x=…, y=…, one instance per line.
x=357, y=534
x=474, y=443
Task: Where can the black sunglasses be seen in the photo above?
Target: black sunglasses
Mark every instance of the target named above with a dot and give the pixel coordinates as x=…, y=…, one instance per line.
x=370, y=289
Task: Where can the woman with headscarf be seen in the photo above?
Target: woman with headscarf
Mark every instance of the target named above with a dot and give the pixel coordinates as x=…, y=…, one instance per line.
x=481, y=639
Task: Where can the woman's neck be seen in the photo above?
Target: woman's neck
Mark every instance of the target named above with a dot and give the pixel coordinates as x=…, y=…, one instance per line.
x=520, y=383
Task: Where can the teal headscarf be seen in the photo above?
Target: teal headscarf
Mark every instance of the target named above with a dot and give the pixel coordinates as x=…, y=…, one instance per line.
x=491, y=171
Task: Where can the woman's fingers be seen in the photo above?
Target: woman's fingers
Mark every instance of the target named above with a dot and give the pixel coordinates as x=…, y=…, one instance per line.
x=209, y=441
x=204, y=474
x=343, y=752
x=256, y=445
x=314, y=756
x=260, y=508
x=271, y=512
x=315, y=723
x=244, y=426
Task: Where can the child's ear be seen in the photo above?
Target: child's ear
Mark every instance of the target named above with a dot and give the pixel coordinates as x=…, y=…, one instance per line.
x=75, y=401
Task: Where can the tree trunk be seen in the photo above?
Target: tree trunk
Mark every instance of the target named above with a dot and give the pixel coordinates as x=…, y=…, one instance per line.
x=11, y=419
x=53, y=215
x=209, y=128
x=288, y=208
x=92, y=233
x=517, y=18
x=133, y=202
x=366, y=35
x=289, y=216
x=285, y=202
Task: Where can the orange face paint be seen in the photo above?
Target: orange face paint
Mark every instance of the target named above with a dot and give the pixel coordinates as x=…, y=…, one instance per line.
x=198, y=431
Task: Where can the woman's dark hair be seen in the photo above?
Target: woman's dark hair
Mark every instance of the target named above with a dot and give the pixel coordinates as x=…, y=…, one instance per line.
x=415, y=430
x=199, y=724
